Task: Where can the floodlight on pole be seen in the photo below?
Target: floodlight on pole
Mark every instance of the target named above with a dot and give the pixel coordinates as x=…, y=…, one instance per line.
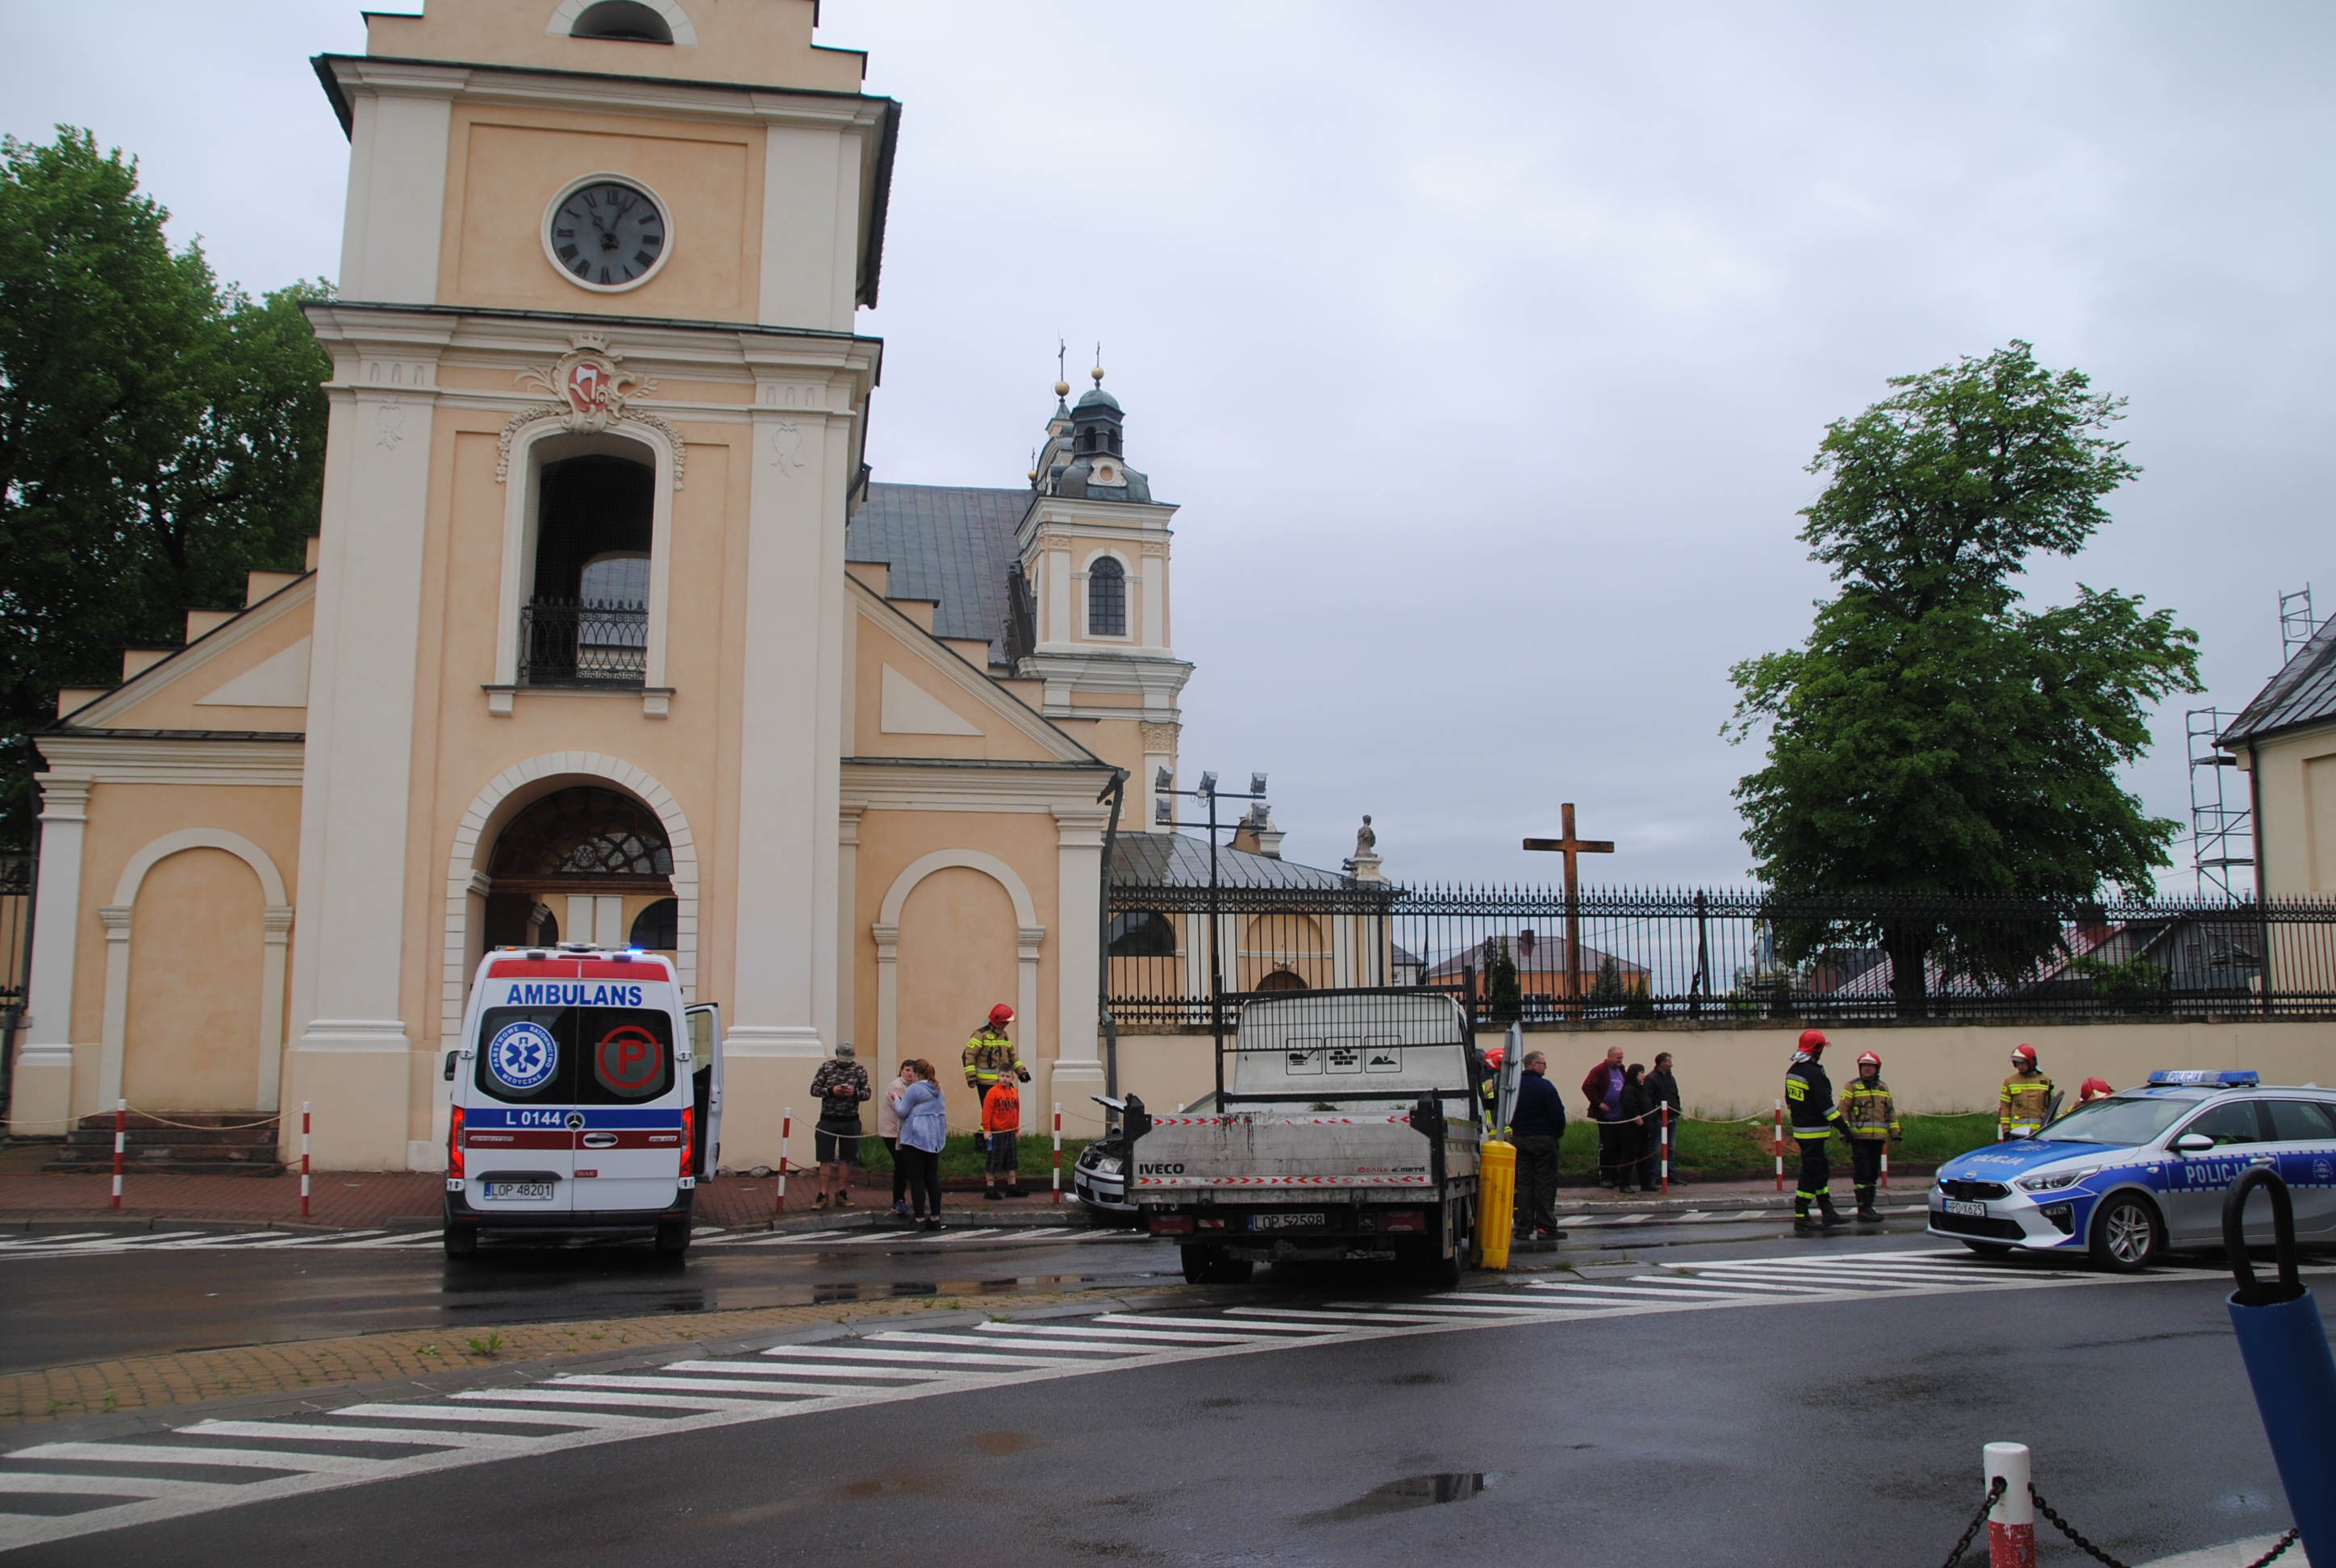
x=1163, y=778
x=1162, y=812
x=1257, y=784
x=1207, y=785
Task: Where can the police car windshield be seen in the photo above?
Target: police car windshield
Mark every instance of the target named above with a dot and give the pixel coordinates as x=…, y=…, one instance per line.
x=2119, y=1122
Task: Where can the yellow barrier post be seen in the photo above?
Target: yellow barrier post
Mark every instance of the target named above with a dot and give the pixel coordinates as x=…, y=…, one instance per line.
x=1496, y=1202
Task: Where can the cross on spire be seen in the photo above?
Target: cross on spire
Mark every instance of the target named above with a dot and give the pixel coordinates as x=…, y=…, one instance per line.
x=1572, y=847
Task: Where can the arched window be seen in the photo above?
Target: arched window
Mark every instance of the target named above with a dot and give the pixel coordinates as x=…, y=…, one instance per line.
x=624, y=21
x=1281, y=980
x=587, y=623
x=582, y=832
x=1106, y=599
x=658, y=929
x=1142, y=934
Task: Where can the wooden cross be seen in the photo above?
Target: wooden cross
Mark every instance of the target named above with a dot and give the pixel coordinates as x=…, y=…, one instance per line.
x=1571, y=847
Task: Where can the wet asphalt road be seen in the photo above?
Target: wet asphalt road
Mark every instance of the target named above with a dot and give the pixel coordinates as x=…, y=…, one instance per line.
x=1810, y=1434
x=59, y=1311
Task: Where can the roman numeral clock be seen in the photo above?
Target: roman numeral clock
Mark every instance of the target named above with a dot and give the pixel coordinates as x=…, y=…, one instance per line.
x=607, y=232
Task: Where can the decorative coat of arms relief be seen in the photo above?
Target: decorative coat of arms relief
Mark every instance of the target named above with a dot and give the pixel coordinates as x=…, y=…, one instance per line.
x=590, y=394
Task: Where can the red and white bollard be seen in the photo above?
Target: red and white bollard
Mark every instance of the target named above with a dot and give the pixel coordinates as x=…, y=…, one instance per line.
x=2011, y=1522
x=304, y=1159
x=1885, y=1162
x=1667, y=1146
x=1058, y=1151
x=786, y=1127
x=120, y=1138
x=1779, y=1139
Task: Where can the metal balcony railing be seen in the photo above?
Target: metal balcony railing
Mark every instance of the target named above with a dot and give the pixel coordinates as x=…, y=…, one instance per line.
x=576, y=642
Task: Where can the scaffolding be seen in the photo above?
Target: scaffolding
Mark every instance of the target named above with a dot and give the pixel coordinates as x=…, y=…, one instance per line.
x=2296, y=626
x=2222, y=832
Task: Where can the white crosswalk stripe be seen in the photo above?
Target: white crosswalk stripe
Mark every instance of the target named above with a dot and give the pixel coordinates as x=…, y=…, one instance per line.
x=109, y=1243
x=58, y=1490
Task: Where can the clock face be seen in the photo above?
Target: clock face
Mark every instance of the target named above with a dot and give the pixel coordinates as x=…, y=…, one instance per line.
x=608, y=235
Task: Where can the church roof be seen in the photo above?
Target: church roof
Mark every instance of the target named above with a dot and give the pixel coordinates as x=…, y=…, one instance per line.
x=1141, y=860
x=2302, y=692
x=948, y=542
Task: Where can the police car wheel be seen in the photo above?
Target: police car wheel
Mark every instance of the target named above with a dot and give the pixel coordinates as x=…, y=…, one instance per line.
x=2127, y=1235
x=462, y=1240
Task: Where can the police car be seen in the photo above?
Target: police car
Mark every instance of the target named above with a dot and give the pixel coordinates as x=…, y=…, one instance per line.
x=2128, y=1178
x=586, y=1099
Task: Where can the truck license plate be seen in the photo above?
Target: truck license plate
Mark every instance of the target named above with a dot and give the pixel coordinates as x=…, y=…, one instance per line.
x=1288, y=1222
x=1969, y=1206
x=540, y=1192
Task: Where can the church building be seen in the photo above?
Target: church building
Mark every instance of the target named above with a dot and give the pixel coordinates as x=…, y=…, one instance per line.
x=607, y=634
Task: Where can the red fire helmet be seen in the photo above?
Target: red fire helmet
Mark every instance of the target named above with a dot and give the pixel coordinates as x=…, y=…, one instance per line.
x=1495, y=1056
x=1813, y=1040
x=2025, y=1055
x=2094, y=1090
x=1868, y=1059
x=1001, y=1013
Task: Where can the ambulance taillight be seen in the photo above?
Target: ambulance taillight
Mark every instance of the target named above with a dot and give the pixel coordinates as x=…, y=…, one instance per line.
x=454, y=1144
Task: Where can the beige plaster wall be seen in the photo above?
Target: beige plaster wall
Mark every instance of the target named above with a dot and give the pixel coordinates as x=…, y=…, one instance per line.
x=878, y=640
x=192, y=1041
x=505, y=166
x=764, y=41
x=956, y=958
x=2294, y=779
x=124, y=818
x=177, y=705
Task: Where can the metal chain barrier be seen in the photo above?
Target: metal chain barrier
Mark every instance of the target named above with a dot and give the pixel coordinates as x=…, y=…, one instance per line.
x=1971, y=1530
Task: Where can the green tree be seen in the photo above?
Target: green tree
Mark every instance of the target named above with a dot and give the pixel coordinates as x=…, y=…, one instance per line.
x=161, y=435
x=1505, y=996
x=1933, y=733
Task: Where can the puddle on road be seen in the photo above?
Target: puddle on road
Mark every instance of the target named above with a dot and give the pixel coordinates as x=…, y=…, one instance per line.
x=1411, y=1492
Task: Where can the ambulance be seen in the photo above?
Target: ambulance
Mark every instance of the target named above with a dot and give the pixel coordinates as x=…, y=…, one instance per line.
x=586, y=1100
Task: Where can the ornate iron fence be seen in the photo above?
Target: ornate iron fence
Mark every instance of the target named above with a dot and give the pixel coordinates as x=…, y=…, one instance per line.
x=1741, y=954
x=574, y=642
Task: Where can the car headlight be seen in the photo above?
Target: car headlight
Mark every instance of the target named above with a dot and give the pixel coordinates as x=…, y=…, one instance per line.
x=2053, y=1181
x=1107, y=1166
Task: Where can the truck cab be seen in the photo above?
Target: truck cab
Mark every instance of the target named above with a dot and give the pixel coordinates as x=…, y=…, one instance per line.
x=1345, y=1126
x=586, y=1099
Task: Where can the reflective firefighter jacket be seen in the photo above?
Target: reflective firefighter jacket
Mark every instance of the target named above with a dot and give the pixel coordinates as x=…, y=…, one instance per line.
x=1867, y=1109
x=989, y=1057
x=2027, y=1100
x=1808, y=1098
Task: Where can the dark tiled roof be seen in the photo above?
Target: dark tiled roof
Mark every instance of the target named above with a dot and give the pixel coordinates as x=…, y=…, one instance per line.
x=1179, y=860
x=947, y=542
x=2302, y=692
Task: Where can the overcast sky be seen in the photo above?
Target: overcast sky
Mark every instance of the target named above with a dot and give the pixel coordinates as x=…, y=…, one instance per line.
x=1485, y=345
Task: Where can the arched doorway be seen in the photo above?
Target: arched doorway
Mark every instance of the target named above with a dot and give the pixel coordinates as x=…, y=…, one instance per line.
x=583, y=865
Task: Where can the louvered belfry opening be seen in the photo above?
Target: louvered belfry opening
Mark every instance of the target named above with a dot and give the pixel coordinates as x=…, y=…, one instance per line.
x=586, y=622
x=581, y=841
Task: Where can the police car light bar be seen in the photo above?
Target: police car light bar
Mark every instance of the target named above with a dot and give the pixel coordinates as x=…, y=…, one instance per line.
x=2240, y=1079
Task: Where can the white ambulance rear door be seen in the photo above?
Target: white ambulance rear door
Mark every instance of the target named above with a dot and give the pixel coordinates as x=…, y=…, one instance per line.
x=706, y=1079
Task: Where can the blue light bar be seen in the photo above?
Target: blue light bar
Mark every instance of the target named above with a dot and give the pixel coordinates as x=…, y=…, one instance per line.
x=2242, y=1079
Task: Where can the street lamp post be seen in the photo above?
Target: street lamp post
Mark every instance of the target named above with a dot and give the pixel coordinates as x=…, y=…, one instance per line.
x=1163, y=786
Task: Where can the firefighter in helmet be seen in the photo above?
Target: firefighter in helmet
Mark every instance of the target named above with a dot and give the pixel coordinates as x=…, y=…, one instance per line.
x=990, y=1055
x=2027, y=1101
x=1871, y=1116
x=1808, y=1094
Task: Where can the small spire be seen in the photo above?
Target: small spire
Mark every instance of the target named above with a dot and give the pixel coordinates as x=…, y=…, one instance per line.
x=1097, y=371
x=1062, y=374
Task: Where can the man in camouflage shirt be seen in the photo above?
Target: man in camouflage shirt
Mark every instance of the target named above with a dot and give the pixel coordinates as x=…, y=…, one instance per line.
x=839, y=1086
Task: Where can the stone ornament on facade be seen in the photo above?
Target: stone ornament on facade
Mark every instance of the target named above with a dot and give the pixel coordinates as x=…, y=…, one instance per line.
x=787, y=442
x=389, y=423
x=593, y=395
x=1159, y=737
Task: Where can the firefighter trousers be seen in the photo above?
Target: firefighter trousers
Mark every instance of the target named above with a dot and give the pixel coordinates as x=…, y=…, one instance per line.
x=1865, y=1167
x=1816, y=1173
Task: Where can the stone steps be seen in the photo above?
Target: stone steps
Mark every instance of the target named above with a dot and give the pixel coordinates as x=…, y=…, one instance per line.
x=178, y=1143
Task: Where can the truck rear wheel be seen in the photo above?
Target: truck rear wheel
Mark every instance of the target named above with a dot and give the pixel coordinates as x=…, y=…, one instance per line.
x=1421, y=1261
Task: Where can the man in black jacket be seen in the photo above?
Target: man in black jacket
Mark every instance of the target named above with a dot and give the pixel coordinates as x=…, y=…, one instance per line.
x=1663, y=1090
x=1809, y=1095
x=1537, y=1121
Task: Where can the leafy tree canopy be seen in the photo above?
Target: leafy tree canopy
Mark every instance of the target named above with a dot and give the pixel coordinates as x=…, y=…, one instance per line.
x=161, y=434
x=1933, y=733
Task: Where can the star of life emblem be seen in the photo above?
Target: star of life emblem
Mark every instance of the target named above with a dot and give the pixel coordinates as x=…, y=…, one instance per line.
x=523, y=1056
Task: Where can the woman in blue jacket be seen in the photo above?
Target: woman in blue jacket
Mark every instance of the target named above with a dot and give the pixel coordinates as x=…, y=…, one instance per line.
x=924, y=1129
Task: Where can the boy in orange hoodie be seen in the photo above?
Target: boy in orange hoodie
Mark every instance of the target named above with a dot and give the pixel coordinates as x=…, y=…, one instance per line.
x=1001, y=1120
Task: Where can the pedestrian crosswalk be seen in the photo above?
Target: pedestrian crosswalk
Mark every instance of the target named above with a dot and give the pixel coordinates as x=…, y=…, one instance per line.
x=58, y=1490
x=1584, y=1222
x=106, y=1243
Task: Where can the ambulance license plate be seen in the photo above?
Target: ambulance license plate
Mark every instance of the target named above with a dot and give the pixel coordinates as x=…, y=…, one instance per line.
x=1312, y=1221
x=540, y=1191
x=1969, y=1206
